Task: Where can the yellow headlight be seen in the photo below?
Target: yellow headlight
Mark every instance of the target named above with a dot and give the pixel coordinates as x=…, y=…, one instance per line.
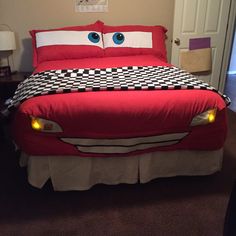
x=44, y=125
x=212, y=116
x=204, y=118
x=36, y=124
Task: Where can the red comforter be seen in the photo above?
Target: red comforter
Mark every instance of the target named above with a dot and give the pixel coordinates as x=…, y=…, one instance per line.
x=108, y=123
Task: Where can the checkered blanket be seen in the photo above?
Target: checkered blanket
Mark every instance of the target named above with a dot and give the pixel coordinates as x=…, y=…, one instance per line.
x=122, y=78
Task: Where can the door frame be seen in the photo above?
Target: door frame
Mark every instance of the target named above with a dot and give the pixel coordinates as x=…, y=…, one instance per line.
x=228, y=45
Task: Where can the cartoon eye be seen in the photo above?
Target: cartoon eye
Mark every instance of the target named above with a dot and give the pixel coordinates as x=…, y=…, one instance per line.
x=94, y=37
x=118, y=38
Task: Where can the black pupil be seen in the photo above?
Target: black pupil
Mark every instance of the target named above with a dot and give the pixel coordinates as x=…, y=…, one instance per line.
x=95, y=35
x=120, y=37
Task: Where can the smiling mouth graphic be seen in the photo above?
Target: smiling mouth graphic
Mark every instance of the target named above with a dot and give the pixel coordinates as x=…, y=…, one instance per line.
x=124, y=145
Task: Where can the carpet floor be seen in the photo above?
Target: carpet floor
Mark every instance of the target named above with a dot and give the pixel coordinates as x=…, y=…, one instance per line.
x=191, y=206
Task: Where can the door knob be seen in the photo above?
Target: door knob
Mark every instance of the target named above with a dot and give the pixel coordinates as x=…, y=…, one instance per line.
x=177, y=41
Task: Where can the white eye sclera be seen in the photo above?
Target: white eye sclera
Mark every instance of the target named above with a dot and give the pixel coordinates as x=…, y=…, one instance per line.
x=128, y=39
x=62, y=37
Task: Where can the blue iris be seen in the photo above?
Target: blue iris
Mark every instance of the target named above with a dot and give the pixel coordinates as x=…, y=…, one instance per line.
x=94, y=37
x=118, y=38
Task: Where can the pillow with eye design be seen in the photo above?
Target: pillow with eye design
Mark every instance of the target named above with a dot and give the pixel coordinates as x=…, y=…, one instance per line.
x=67, y=43
x=134, y=40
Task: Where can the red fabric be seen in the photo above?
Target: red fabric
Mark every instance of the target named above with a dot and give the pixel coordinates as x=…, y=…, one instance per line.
x=61, y=52
x=104, y=62
x=119, y=114
x=158, y=40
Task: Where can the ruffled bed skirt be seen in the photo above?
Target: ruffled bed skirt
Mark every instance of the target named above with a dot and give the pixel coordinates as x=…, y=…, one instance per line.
x=80, y=173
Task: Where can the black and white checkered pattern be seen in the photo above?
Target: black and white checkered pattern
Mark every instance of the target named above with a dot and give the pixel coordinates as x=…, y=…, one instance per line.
x=122, y=78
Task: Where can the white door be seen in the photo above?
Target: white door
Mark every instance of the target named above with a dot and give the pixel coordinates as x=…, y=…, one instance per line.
x=198, y=19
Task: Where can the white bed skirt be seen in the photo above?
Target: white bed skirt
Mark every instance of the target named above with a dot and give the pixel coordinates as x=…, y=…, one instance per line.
x=81, y=173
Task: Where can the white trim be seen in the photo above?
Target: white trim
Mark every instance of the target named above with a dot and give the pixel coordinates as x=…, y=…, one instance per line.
x=123, y=149
x=124, y=145
x=124, y=141
x=228, y=45
x=63, y=37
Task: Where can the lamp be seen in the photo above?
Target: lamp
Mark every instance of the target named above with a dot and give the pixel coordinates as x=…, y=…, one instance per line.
x=7, y=44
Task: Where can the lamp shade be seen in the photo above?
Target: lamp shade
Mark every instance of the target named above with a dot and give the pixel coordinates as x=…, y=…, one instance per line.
x=7, y=41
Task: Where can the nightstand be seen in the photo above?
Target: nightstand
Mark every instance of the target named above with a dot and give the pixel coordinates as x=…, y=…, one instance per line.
x=9, y=84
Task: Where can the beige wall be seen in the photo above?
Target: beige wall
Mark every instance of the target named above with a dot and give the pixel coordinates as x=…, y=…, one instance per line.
x=24, y=15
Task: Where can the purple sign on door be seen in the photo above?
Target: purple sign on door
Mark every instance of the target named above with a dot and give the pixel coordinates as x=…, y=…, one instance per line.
x=198, y=43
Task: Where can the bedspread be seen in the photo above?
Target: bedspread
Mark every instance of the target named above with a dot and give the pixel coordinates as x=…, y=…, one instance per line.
x=121, y=78
x=120, y=110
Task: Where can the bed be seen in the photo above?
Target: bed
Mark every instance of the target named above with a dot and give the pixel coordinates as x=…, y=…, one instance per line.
x=110, y=109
